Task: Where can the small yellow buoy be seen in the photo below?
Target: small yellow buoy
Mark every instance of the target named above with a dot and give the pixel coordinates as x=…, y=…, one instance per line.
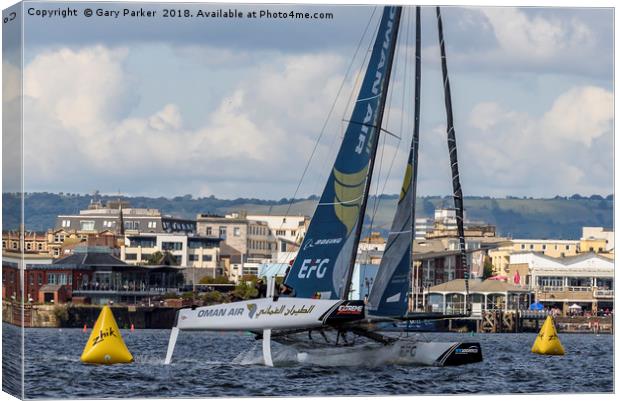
x=105, y=344
x=547, y=341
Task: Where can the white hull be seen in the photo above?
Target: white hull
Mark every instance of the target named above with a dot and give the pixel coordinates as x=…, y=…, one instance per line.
x=402, y=352
x=265, y=316
x=257, y=314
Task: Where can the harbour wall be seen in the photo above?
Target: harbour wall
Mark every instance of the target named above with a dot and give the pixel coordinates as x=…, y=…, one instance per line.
x=79, y=315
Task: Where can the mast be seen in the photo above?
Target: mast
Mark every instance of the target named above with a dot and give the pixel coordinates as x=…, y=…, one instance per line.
x=456, y=183
x=416, y=142
x=379, y=121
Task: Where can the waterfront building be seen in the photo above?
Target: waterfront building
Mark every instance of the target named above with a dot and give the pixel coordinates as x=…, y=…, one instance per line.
x=231, y=262
x=61, y=242
x=597, y=239
x=90, y=273
x=253, y=239
x=586, y=280
x=12, y=263
x=120, y=218
x=185, y=250
x=34, y=242
x=374, y=242
x=449, y=297
x=289, y=228
x=500, y=257
x=423, y=226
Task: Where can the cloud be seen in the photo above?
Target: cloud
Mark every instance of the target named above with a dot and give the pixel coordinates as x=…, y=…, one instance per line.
x=79, y=135
x=561, y=152
x=535, y=40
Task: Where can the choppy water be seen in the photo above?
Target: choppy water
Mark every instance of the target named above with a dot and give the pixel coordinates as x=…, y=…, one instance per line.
x=210, y=364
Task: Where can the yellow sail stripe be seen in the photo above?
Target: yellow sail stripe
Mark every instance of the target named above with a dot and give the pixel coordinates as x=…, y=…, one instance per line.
x=349, y=189
x=406, y=182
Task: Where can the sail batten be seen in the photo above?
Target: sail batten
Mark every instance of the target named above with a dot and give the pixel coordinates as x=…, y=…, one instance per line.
x=324, y=263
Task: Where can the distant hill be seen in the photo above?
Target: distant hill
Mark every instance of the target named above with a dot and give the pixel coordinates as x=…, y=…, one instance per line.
x=559, y=218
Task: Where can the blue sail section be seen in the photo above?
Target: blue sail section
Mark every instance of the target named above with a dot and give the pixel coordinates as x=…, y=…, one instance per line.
x=323, y=263
x=388, y=296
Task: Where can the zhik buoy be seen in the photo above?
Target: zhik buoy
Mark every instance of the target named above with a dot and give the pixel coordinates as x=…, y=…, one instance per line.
x=105, y=344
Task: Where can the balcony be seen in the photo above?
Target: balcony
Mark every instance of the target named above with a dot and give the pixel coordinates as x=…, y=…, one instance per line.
x=604, y=294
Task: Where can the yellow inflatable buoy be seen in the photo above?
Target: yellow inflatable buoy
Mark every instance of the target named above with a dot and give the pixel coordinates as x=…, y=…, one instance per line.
x=105, y=344
x=547, y=341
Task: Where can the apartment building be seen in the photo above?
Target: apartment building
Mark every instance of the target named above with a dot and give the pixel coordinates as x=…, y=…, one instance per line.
x=253, y=239
x=119, y=217
x=184, y=250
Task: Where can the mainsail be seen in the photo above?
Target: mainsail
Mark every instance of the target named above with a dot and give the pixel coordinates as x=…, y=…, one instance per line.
x=326, y=256
x=388, y=296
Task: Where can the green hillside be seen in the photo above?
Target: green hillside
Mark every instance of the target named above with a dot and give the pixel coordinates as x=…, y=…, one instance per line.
x=560, y=218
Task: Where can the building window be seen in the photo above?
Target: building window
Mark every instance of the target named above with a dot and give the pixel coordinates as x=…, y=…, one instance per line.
x=293, y=233
x=62, y=278
x=66, y=223
x=522, y=246
x=40, y=279
x=88, y=225
x=544, y=247
x=567, y=247
x=531, y=247
x=223, y=232
x=281, y=232
x=152, y=224
x=550, y=281
x=580, y=282
x=131, y=256
x=236, y=231
x=172, y=246
x=40, y=247
x=207, y=258
x=193, y=258
x=209, y=231
x=51, y=278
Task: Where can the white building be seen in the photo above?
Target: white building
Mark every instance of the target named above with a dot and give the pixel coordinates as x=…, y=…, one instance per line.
x=599, y=233
x=586, y=279
x=423, y=226
x=187, y=251
x=291, y=228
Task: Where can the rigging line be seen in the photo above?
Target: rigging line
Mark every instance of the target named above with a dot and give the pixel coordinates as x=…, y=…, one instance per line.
x=333, y=106
x=356, y=83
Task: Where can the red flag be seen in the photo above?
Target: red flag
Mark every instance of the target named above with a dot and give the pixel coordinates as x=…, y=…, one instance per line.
x=516, y=278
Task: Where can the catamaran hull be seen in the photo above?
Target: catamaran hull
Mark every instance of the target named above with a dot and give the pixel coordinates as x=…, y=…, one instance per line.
x=258, y=314
x=439, y=353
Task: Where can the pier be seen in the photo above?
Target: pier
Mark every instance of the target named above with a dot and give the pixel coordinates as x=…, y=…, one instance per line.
x=517, y=321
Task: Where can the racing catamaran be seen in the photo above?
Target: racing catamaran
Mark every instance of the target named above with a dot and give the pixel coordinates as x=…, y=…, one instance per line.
x=318, y=312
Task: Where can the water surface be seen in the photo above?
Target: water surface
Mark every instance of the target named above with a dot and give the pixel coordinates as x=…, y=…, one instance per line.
x=210, y=364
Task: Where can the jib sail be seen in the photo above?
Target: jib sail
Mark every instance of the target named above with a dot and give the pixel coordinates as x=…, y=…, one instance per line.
x=389, y=293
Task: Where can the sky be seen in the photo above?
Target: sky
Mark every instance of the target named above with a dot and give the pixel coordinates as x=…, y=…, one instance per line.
x=233, y=108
